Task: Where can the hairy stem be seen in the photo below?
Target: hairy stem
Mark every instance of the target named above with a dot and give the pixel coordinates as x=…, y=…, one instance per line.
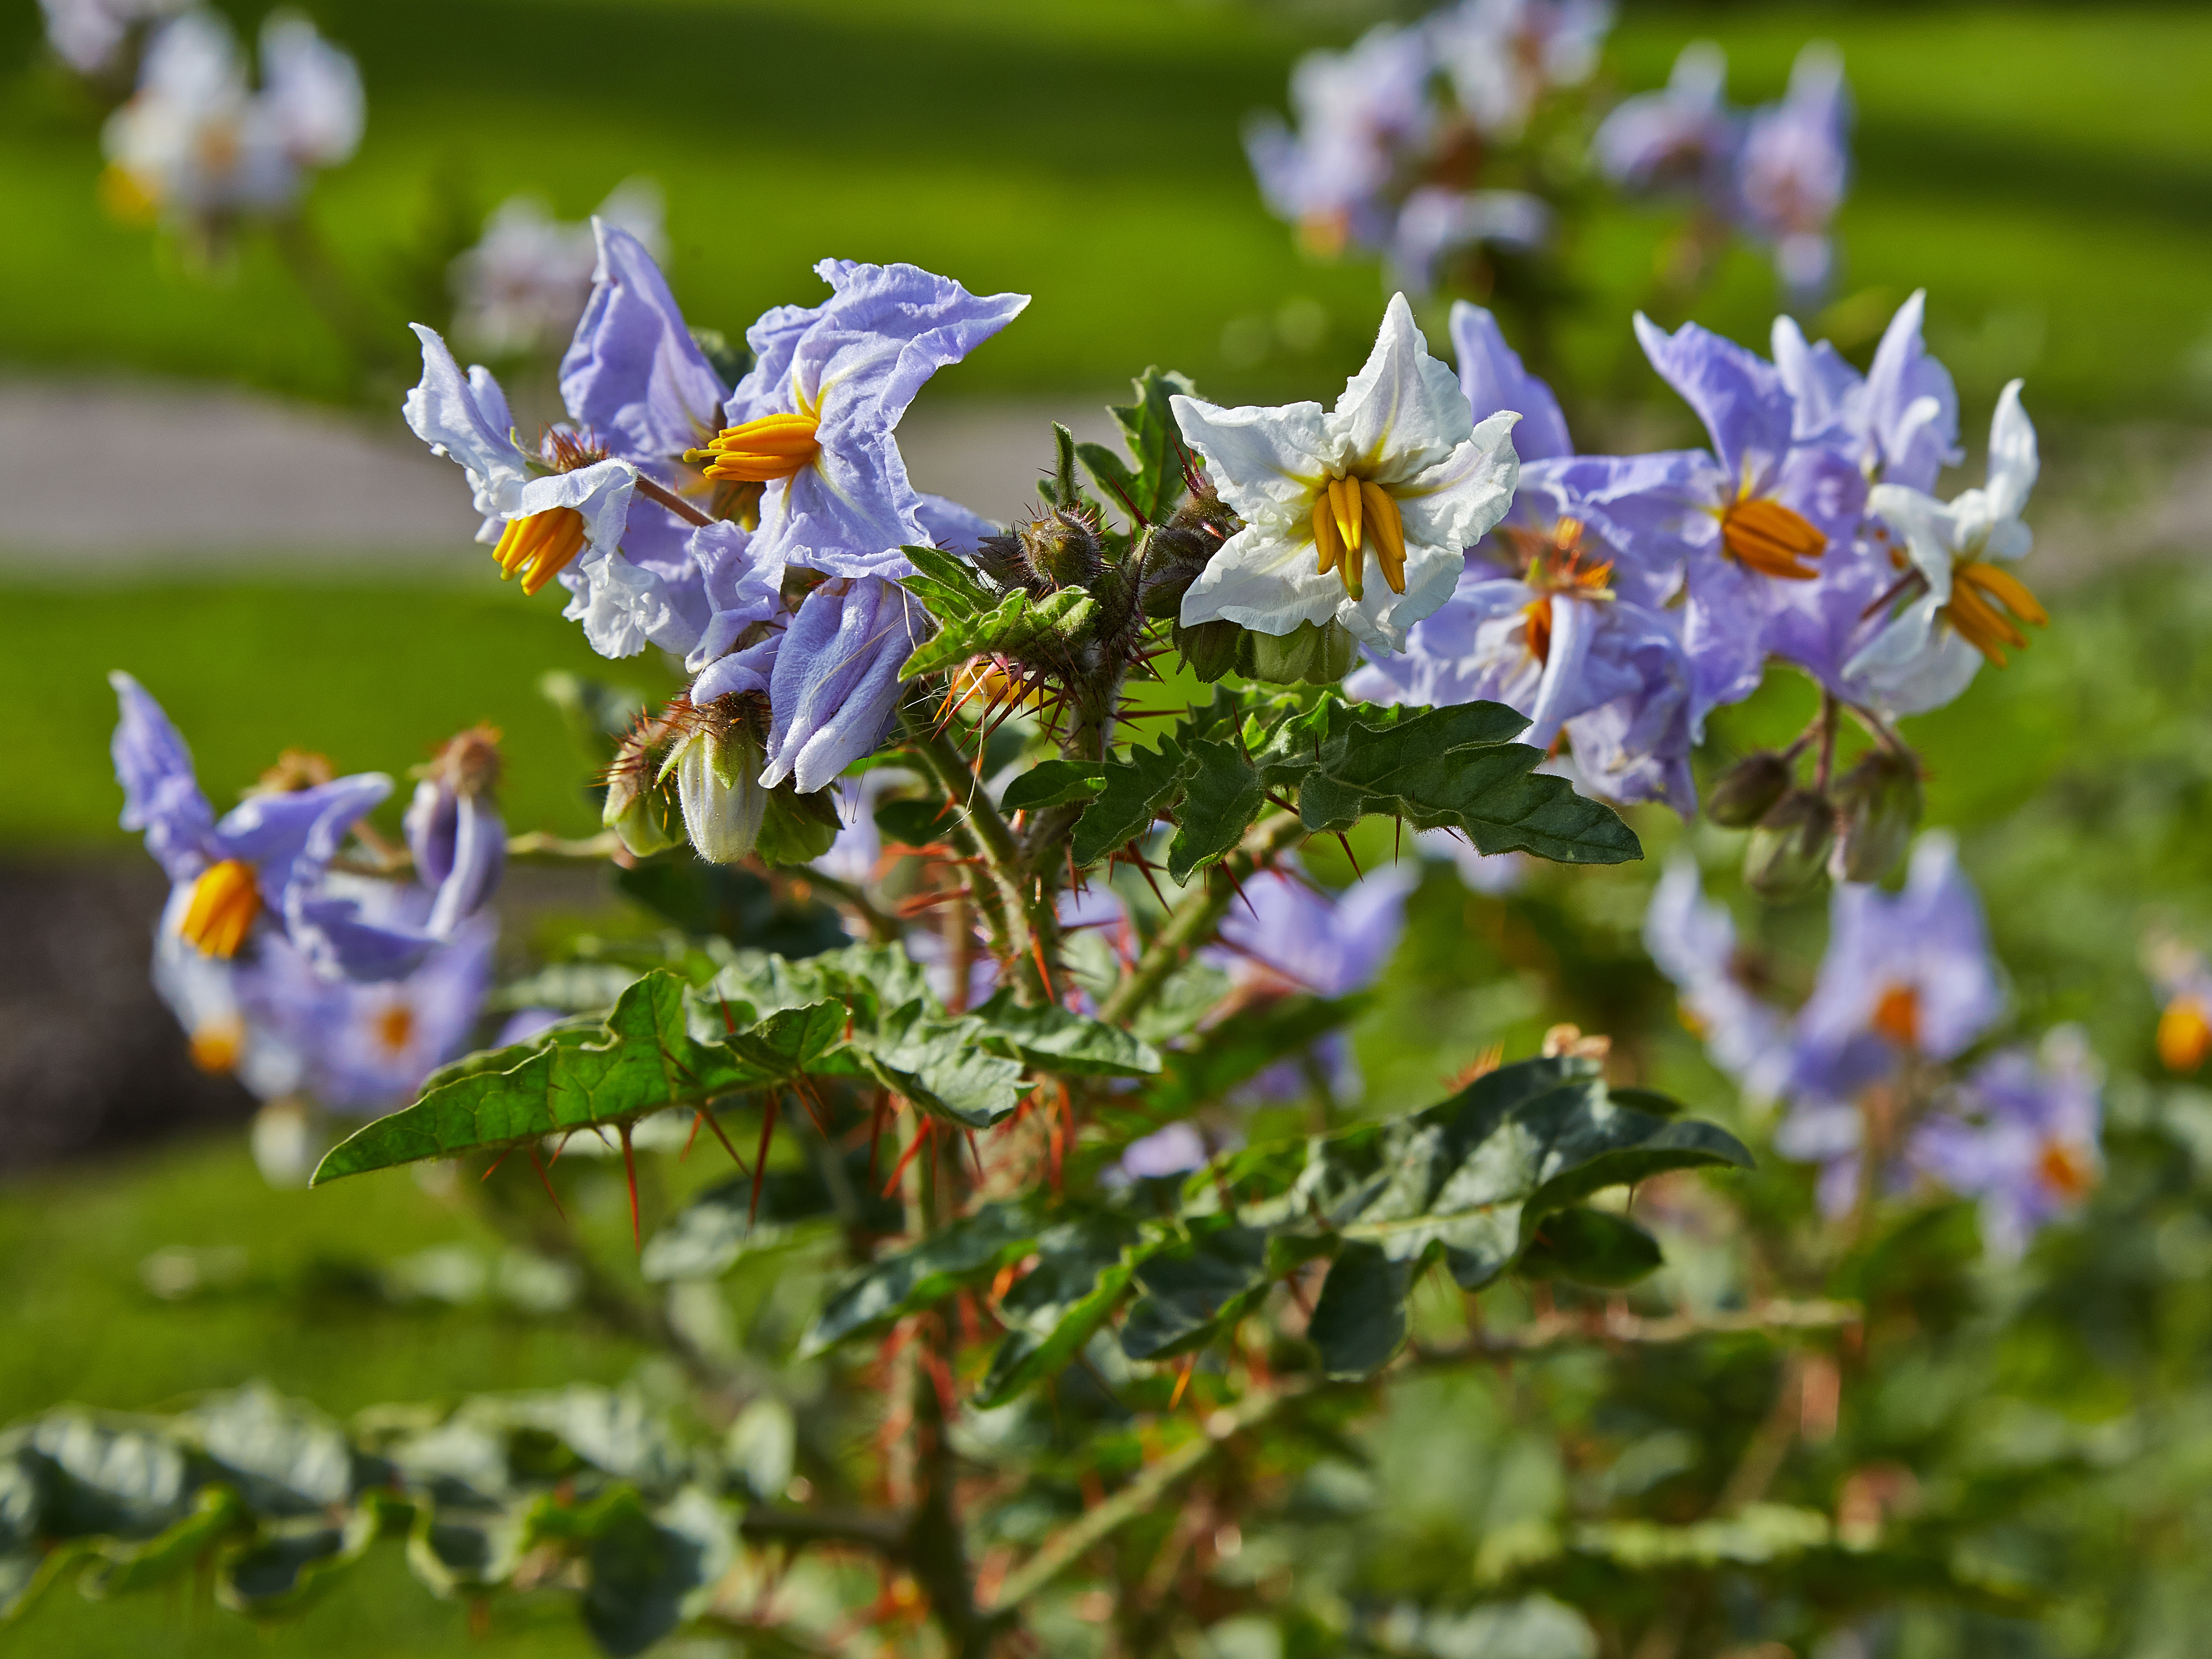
x=1002, y=896
x=1192, y=923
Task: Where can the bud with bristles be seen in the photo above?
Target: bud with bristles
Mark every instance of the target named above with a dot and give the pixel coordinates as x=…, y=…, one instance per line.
x=716, y=764
x=1748, y=790
x=1786, y=856
x=637, y=808
x=1879, y=803
x=1311, y=655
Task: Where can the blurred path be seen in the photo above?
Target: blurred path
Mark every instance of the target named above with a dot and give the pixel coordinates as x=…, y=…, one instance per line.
x=110, y=477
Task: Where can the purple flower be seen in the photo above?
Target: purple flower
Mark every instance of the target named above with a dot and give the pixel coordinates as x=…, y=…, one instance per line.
x=230, y=874
x=814, y=421
x=836, y=686
x=1768, y=524
x=746, y=618
x=1433, y=223
x=1359, y=113
x=1176, y=1149
x=522, y=287
x=454, y=830
x=1491, y=874
x=2020, y=1135
x=1680, y=139
x=1492, y=374
x=1692, y=940
x=1502, y=55
x=1792, y=167
x=1900, y=420
x=1288, y=935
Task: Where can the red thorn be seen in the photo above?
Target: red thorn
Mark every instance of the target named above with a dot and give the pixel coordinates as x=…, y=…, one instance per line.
x=1347, y=853
x=1037, y=950
x=495, y=1163
x=630, y=1168
x=1397, y=838
x=546, y=1180
x=907, y=1157
x=697, y=1118
x=976, y=1152
x=716, y=1124
x=1239, y=886
x=1182, y=1379
x=760, y=1161
x=562, y=1147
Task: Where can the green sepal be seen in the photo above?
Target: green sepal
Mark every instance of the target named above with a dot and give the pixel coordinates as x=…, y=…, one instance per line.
x=1018, y=626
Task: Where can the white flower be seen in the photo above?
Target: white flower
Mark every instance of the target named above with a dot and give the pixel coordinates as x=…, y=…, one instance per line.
x=1399, y=469
x=193, y=140
x=717, y=772
x=561, y=512
x=87, y=33
x=1959, y=606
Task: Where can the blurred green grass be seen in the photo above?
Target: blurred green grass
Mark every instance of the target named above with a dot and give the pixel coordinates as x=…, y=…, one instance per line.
x=2043, y=170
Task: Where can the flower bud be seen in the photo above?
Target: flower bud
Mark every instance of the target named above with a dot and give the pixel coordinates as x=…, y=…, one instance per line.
x=1063, y=547
x=1210, y=648
x=638, y=808
x=1786, y=856
x=1748, y=789
x=454, y=830
x=716, y=764
x=1311, y=654
x=1879, y=804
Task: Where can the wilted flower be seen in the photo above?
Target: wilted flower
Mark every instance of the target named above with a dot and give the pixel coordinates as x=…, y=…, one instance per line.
x=525, y=283
x=1502, y=55
x=2021, y=1134
x=454, y=830
x=1681, y=138
x=813, y=421
x=258, y=862
x=1793, y=166
x=1398, y=467
x=195, y=144
x=1955, y=604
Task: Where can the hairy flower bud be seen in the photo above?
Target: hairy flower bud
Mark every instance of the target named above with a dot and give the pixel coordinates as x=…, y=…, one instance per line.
x=1210, y=648
x=716, y=764
x=638, y=808
x=1310, y=653
x=1748, y=789
x=1063, y=547
x=1878, y=802
x=1786, y=856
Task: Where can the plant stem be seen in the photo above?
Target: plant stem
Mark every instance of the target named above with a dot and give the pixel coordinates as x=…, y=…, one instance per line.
x=1001, y=898
x=543, y=844
x=1831, y=712
x=1192, y=921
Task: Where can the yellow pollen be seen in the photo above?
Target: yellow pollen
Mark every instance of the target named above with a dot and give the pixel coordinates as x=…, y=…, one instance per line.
x=218, y=1046
x=761, y=450
x=1349, y=516
x=1768, y=538
x=395, y=1028
x=1897, y=1016
x=225, y=900
x=2185, y=1034
x=539, y=546
x=1981, y=596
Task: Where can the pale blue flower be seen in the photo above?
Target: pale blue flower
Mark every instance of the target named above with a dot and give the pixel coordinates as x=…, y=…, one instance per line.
x=2021, y=1134
x=1794, y=166
x=1502, y=55
x=1681, y=139
x=1358, y=114
x=1692, y=940
x=1900, y=420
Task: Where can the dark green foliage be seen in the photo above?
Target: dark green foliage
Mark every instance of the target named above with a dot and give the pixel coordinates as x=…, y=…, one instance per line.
x=1017, y=626
x=1590, y=1247
x=723, y=901
x=1151, y=482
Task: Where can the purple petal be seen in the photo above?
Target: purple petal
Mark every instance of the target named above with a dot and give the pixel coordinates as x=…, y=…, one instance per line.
x=633, y=376
x=1491, y=373
x=161, y=794
x=835, y=685
x=1747, y=412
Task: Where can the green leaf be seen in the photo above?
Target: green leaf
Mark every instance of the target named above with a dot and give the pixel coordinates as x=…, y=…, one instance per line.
x=904, y=1281
x=797, y=828
x=1360, y=1319
x=1055, y=1309
x=1050, y=1038
x=939, y=1065
x=644, y=1059
x=915, y=822
x=286, y=1565
x=1053, y=783
x=1590, y=1247
x=726, y=901
x=1018, y=626
x=1221, y=797
x=651, y=1570
x=948, y=584
x=1137, y=786
x=1194, y=1286
x=1154, y=484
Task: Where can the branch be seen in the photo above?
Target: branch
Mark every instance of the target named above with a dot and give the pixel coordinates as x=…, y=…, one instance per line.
x=1192, y=923
x=544, y=844
x=1628, y=1330
x=884, y=1531
x=883, y=929
x=1000, y=899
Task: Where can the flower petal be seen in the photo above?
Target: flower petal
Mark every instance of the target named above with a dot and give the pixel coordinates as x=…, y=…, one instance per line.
x=1404, y=411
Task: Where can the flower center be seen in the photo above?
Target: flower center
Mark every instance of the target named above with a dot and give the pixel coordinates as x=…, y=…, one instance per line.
x=1538, y=613
x=218, y=1045
x=1765, y=536
x=761, y=450
x=224, y=902
x=2185, y=1035
x=1988, y=604
x=539, y=546
x=2066, y=1170
x=395, y=1028
x=1349, y=514
x=1897, y=1016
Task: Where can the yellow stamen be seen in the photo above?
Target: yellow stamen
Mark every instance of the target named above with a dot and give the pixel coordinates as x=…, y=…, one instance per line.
x=1768, y=538
x=1387, y=528
x=1327, y=544
x=225, y=900
x=2066, y=1170
x=1897, y=1016
x=218, y=1046
x=1538, y=613
x=761, y=450
x=395, y=1028
x=1344, y=505
x=1354, y=569
x=2185, y=1034
x=540, y=545
x=1981, y=624
x=2001, y=585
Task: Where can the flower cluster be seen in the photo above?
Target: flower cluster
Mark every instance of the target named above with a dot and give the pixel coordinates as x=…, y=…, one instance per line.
x=1617, y=600
x=196, y=147
x=755, y=530
x=300, y=975
x=1882, y=1069
x=1777, y=174
x=1415, y=142
x=95, y=37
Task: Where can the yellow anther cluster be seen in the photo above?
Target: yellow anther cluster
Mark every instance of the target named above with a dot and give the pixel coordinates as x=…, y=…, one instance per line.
x=761, y=450
x=538, y=547
x=1771, y=538
x=1348, y=515
x=1981, y=596
x=225, y=900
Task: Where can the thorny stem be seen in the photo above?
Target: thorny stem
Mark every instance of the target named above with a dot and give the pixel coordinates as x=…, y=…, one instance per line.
x=1192, y=921
x=1004, y=900
x=883, y=929
x=543, y=844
